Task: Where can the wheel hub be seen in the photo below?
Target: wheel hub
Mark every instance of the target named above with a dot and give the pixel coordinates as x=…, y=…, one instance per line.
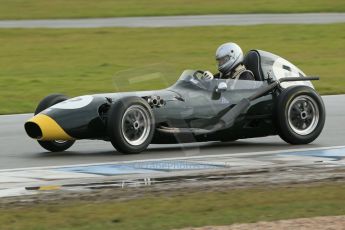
x=136, y=125
x=303, y=115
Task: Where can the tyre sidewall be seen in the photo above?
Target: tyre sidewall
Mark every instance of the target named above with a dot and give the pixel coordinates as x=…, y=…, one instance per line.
x=49, y=101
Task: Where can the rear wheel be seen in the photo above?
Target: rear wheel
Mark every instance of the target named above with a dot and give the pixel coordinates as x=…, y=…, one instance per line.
x=300, y=115
x=56, y=145
x=130, y=125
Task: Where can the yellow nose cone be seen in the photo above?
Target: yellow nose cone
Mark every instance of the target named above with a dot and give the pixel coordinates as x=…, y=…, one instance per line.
x=44, y=128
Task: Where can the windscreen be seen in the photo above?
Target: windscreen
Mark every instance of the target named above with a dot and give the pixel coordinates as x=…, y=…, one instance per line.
x=277, y=67
x=192, y=78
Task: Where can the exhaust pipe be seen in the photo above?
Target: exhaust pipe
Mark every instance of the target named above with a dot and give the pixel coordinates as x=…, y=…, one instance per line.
x=155, y=101
x=152, y=101
x=161, y=102
x=43, y=128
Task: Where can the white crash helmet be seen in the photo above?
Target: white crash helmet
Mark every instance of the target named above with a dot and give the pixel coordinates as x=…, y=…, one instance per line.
x=228, y=56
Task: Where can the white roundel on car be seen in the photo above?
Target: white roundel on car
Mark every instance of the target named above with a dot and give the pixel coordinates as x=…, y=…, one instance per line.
x=74, y=103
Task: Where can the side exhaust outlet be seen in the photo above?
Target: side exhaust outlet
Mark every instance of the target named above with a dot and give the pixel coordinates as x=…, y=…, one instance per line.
x=155, y=101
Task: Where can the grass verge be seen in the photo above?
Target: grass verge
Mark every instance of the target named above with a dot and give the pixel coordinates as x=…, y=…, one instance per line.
x=39, y=9
x=181, y=209
x=37, y=62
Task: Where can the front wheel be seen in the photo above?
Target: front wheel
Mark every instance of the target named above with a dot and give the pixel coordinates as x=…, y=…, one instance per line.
x=56, y=145
x=130, y=125
x=300, y=115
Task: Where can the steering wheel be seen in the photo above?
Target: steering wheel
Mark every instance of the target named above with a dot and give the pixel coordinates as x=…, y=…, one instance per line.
x=197, y=73
x=201, y=82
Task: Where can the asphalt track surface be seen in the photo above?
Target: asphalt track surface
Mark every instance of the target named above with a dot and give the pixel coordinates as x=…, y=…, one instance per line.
x=19, y=151
x=180, y=21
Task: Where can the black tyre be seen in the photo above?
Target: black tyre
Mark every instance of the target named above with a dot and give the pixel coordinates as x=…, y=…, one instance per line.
x=57, y=145
x=227, y=139
x=300, y=115
x=130, y=125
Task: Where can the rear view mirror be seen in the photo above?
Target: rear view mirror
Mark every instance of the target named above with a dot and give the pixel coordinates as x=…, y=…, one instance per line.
x=221, y=87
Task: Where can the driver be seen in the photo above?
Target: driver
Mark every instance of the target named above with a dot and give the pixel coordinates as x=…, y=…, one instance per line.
x=229, y=57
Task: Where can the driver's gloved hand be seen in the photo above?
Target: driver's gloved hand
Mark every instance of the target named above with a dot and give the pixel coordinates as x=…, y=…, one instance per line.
x=207, y=75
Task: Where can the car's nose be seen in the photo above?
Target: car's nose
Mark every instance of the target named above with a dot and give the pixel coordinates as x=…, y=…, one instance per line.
x=44, y=128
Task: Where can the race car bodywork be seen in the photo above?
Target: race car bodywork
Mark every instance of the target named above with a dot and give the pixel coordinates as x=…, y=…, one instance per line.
x=281, y=101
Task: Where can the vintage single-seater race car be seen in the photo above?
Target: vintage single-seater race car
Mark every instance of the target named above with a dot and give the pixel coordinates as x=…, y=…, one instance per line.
x=281, y=101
